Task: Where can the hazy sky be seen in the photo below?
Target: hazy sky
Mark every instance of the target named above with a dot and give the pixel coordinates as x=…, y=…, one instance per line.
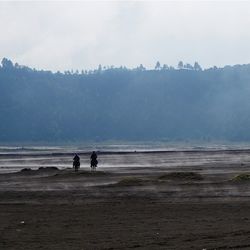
x=80, y=35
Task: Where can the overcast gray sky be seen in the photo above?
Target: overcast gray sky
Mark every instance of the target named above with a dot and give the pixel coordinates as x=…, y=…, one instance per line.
x=81, y=35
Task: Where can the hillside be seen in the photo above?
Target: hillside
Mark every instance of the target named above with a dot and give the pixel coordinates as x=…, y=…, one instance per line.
x=124, y=104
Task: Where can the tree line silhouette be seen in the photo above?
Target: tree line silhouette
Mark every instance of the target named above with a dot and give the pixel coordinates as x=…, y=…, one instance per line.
x=117, y=103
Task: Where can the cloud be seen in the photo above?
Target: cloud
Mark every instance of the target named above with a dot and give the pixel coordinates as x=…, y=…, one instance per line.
x=81, y=35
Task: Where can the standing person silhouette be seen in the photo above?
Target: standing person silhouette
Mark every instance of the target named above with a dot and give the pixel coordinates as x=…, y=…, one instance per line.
x=93, y=161
x=76, y=162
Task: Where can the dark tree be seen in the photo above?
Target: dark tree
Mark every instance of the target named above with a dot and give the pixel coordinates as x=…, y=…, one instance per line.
x=6, y=63
x=141, y=68
x=180, y=65
x=165, y=67
x=158, y=65
x=99, y=68
x=188, y=66
x=197, y=66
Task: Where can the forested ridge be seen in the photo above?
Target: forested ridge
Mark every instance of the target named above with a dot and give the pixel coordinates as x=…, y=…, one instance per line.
x=186, y=103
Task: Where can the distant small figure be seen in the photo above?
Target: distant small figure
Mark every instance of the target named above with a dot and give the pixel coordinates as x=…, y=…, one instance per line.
x=93, y=162
x=76, y=162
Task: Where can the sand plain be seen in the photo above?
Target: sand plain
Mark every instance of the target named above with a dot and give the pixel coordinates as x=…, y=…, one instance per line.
x=197, y=206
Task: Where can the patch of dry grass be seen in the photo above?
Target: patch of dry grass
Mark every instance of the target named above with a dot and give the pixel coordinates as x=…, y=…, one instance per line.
x=130, y=181
x=242, y=177
x=80, y=173
x=181, y=176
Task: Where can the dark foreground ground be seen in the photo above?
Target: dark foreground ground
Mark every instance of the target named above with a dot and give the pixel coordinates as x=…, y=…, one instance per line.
x=183, y=207
x=125, y=224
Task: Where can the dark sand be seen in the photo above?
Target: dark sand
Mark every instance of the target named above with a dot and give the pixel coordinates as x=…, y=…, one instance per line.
x=128, y=208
